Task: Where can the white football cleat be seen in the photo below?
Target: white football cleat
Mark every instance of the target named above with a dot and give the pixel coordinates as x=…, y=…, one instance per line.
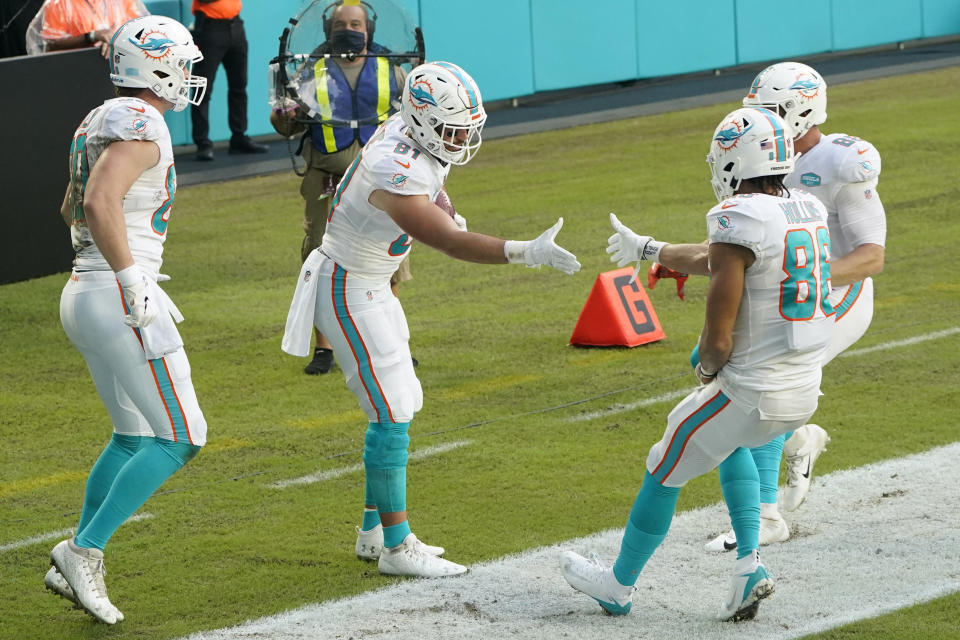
x=750, y=584
x=589, y=576
x=773, y=529
x=723, y=542
x=82, y=570
x=54, y=582
x=801, y=450
x=370, y=544
x=409, y=558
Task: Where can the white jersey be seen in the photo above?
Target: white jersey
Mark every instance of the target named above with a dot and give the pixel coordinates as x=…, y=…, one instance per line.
x=785, y=322
x=836, y=161
x=361, y=238
x=147, y=204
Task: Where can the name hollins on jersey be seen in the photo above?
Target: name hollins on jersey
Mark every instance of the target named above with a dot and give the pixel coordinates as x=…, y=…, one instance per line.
x=799, y=212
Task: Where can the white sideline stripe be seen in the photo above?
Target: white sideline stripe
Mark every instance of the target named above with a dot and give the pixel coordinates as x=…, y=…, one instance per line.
x=620, y=408
x=330, y=474
x=60, y=533
x=867, y=541
x=901, y=343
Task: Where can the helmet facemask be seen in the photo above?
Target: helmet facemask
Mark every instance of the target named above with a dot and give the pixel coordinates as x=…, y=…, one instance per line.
x=458, y=144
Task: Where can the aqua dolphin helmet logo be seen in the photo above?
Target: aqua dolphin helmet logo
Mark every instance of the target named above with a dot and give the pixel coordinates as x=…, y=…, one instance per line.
x=154, y=44
x=421, y=94
x=728, y=137
x=807, y=85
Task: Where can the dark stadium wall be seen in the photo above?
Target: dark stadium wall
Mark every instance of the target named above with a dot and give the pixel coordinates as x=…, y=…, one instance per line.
x=47, y=98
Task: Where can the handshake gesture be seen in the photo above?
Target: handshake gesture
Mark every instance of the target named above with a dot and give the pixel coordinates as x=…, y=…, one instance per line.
x=624, y=247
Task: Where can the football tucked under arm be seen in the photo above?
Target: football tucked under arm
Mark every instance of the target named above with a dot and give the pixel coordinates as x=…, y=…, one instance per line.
x=443, y=201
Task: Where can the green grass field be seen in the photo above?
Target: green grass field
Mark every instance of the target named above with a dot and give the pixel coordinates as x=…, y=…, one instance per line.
x=492, y=341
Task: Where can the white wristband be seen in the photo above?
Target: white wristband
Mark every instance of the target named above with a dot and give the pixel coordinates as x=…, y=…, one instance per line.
x=129, y=276
x=703, y=374
x=651, y=250
x=514, y=250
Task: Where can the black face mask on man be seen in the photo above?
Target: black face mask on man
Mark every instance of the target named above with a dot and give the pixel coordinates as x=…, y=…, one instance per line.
x=347, y=41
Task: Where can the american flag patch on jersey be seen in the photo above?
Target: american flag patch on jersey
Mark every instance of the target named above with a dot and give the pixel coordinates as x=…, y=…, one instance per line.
x=766, y=144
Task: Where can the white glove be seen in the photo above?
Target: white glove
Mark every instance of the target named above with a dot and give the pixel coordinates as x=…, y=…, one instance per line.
x=625, y=246
x=460, y=221
x=542, y=251
x=141, y=310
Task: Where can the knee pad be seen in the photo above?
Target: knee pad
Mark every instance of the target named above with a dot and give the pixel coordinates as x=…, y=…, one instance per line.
x=385, y=445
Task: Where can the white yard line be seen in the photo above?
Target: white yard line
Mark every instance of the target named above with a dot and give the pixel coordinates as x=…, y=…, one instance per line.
x=59, y=534
x=330, y=474
x=901, y=343
x=868, y=541
x=621, y=408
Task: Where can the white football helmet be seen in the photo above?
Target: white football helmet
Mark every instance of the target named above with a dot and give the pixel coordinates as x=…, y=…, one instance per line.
x=793, y=90
x=748, y=143
x=442, y=106
x=157, y=53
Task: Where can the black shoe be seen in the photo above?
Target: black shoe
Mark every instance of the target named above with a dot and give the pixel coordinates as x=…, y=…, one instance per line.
x=246, y=145
x=321, y=363
x=416, y=363
x=205, y=154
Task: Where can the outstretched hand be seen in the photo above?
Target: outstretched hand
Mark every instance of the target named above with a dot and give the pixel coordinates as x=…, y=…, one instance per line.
x=625, y=246
x=545, y=251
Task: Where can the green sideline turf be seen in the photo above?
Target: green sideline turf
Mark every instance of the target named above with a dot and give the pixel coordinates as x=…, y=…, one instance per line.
x=492, y=341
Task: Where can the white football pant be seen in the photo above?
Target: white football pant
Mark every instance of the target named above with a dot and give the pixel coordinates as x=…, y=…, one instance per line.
x=705, y=428
x=366, y=325
x=143, y=397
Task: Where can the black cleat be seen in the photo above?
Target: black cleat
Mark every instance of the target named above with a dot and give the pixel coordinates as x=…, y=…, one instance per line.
x=321, y=363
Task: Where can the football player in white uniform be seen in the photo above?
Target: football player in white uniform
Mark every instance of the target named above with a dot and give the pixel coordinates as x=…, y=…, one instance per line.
x=118, y=204
x=768, y=322
x=842, y=172
x=384, y=202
